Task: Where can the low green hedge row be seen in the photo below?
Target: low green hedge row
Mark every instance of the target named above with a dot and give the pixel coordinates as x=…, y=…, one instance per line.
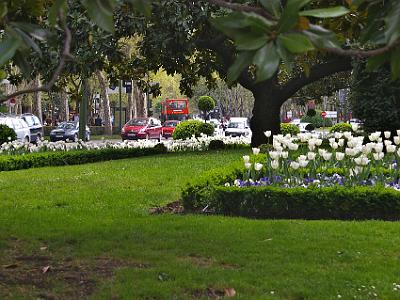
x=76, y=157
x=358, y=203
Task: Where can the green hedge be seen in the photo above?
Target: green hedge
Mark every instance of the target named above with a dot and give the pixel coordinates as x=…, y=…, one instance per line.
x=291, y=129
x=186, y=129
x=76, y=157
x=6, y=134
x=341, y=127
x=356, y=203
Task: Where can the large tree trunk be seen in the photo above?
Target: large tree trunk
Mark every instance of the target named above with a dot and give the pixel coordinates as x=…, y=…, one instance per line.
x=141, y=100
x=64, y=105
x=266, y=115
x=106, y=102
x=37, y=100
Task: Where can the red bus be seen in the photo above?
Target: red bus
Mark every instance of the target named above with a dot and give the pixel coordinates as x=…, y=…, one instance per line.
x=175, y=109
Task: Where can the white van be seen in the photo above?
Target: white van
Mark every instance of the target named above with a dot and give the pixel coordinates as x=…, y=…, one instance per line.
x=238, y=127
x=19, y=126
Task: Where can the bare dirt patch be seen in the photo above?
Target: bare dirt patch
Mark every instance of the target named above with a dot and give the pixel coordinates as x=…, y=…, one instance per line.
x=207, y=262
x=44, y=276
x=214, y=293
x=175, y=207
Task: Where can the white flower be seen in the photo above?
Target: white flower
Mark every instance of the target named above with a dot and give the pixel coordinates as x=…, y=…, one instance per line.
x=321, y=152
x=318, y=142
x=350, y=152
x=258, y=166
x=396, y=140
x=391, y=148
x=311, y=155
x=274, y=154
x=347, y=134
x=327, y=156
x=236, y=182
x=268, y=133
x=387, y=134
x=341, y=142
x=227, y=184
x=398, y=132
x=293, y=146
x=339, y=156
x=247, y=166
x=284, y=154
x=334, y=145
x=246, y=158
x=303, y=163
x=294, y=165
x=256, y=151
x=275, y=164
x=9, y=138
x=378, y=147
x=377, y=156
x=338, y=135
x=387, y=142
x=354, y=127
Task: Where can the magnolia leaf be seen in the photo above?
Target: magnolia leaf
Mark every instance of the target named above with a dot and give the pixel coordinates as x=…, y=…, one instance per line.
x=22, y=63
x=143, y=6
x=267, y=61
x=392, y=22
x=296, y=42
x=101, y=12
x=250, y=41
x=3, y=10
x=257, y=21
x=8, y=47
x=243, y=60
x=286, y=57
x=273, y=6
x=395, y=63
x=33, y=30
x=290, y=14
x=376, y=61
x=28, y=41
x=58, y=5
x=331, y=12
x=321, y=37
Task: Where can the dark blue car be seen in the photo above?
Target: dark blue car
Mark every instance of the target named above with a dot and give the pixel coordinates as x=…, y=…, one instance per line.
x=68, y=131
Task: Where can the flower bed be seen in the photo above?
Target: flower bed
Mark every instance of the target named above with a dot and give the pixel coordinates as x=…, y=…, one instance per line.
x=302, y=178
x=18, y=155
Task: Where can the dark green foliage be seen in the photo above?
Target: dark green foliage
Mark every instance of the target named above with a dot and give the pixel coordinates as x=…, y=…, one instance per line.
x=341, y=127
x=216, y=145
x=317, y=120
x=311, y=112
x=61, y=158
x=205, y=104
x=287, y=128
x=6, y=134
x=186, y=129
x=375, y=98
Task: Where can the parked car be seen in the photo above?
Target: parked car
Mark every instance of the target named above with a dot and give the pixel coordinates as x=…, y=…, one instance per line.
x=356, y=123
x=238, y=127
x=306, y=127
x=169, y=127
x=68, y=131
x=35, y=126
x=142, y=128
x=295, y=122
x=18, y=125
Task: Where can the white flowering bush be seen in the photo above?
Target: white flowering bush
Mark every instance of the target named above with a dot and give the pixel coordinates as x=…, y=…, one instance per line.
x=193, y=144
x=305, y=160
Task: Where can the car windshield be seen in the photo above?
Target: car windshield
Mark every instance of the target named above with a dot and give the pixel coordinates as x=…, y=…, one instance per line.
x=170, y=124
x=137, y=122
x=67, y=126
x=236, y=125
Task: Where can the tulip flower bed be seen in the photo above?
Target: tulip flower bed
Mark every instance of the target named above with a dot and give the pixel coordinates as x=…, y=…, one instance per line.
x=301, y=178
x=18, y=155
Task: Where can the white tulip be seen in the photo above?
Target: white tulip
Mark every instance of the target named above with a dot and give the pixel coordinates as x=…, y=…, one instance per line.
x=247, y=166
x=338, y=135
x=387, y=134
x=378, y=147
x=318, y=142
x=334, y=145
x=327, y=156
x=347, y=134
x=268, y=133
x=293, y=147
x=350, y=151
x=339, y=156
x=258, y=166
x=256, y=151
x=398, y=152
x=284, y=154
x=387, y=142
x=376, y=156
x=332, y=140
x=341, y=142
x=311, y=155
x=301, y=157
x=391, y=148
x=274, y=154
x=246, y=158
x=354, y=127
x=275, y=164
x=294, y=165
x=321, y=152
x=396, y=140
x=303, y=163
x=398, y=132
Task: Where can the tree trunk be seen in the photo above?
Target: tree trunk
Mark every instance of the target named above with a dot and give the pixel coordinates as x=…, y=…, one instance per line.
x=106, y=102
x=141, y=101
x=37, y=100
x=266, y=115
x=65, y=105
x=132, y=106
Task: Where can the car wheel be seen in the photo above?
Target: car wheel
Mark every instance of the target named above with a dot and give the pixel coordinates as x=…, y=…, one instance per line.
x=75, y=137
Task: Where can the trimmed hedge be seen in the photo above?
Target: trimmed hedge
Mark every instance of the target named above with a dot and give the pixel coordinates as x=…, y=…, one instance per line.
x=355, y=203
x=186, y=129
x=291, y=129
x=7, y=134
x=76, y=157
x=341, y=127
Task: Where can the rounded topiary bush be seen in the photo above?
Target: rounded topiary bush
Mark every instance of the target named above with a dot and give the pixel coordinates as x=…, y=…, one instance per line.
x=206, y=103
x=289, y=129
x=341, y=127
x=216, y=145
x=6, y=134
x=186, y=129
x=317, y=120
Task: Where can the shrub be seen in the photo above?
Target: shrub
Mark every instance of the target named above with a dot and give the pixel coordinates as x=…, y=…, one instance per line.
x=317, y=120
x=205, y=104
x=289, y=129
x=6, y=134
x=60, y=158
x=375, y=98
x=216, y=145
x=341, y=127
x=186, y=129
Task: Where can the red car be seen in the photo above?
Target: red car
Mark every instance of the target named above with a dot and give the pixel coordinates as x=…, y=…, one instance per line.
x=169, y=127
x=142, y=128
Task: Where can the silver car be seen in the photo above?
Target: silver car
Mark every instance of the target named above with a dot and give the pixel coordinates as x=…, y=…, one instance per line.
x=18, y=125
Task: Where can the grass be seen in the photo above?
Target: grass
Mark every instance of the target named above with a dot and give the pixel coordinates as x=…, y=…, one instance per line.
x=90, y=223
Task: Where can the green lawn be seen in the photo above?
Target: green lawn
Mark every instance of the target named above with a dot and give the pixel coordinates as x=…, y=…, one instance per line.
x=90, y=225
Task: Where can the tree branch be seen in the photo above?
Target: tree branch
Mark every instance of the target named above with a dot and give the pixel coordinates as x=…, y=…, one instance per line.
x=243, y=8
x=65, y=55
x=317, y=72
x=363, y=53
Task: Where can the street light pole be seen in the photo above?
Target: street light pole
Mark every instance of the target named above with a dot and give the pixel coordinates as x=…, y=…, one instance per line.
x=120, y=105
